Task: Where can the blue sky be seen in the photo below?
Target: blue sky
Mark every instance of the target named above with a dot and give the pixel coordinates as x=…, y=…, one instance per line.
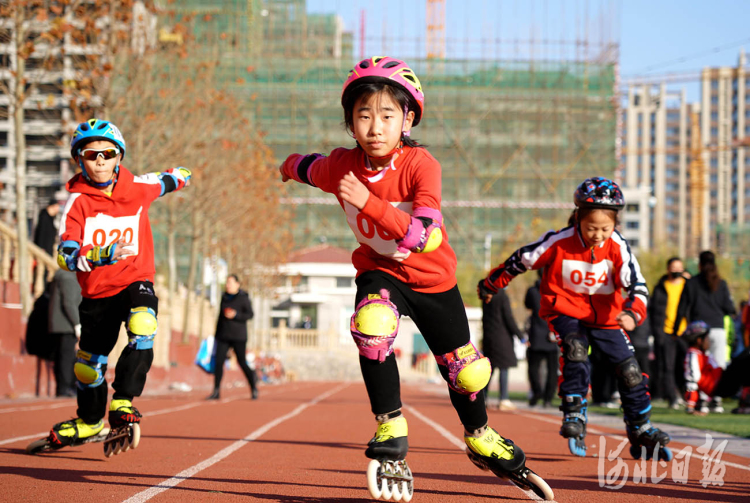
x=653, y=35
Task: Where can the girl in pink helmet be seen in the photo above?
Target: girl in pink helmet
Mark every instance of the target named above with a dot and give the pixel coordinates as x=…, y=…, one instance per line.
x=389, y=187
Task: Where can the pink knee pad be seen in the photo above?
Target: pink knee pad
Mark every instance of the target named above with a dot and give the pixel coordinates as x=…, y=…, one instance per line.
x=468, y=370
x=374, y=326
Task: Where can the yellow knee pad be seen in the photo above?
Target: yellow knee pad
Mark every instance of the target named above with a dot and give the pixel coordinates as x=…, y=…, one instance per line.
x=475, y=376
x=89, y=369
x=142, y=326
x=376, y=320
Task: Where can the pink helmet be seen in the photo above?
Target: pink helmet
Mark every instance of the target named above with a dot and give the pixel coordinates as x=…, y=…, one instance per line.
x=392, y=71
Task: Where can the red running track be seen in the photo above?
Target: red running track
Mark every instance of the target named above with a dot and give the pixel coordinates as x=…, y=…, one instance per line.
x=304, y=442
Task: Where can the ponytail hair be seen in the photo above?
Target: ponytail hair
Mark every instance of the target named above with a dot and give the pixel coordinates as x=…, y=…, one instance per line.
x=707, y=266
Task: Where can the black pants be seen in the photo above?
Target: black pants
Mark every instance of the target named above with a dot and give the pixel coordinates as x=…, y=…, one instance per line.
x=535, y=359
x=602, y=377
x=240, y=348
x=641, y=356
x=614, y=347
x=441, y=318
x=101, y=320
x=734, y=376
x=65, y=358
x=666, y=361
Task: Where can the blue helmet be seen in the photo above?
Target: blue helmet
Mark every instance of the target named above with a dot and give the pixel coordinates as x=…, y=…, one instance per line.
x=694, y=331
x=600, y=193
x=93, y=130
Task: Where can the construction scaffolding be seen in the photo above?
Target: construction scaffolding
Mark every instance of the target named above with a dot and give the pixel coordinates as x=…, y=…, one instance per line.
x=514, y=135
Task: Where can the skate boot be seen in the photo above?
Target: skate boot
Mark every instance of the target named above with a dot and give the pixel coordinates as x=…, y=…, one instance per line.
x=388, y=475
x=647, y=441
x=126, y=431
x=743, y=407
x=489, y=451
x=574, y=423
x=69, y=433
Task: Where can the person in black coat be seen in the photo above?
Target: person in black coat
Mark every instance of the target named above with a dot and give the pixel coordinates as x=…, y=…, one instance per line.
x=499, y=327
x=662, y=310
x=231, y=332
x=45, y=232
x=65, y=327
x=543, y=349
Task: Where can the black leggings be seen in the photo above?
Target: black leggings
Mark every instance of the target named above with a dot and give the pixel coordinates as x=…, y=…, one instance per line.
x=239, y=347
x=441, y=318
x=101, y=320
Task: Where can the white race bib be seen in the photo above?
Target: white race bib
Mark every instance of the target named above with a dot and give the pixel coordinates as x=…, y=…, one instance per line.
x=103, y=230
x=369, y=233
x=592, y=279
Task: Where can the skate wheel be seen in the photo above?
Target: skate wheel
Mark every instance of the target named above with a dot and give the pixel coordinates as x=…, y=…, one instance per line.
x=134, y=435
x=373, y=484
x=665, y=454
x=407, y=491
x=577, y=447
x=540, y=487
x=108, y=449
x=37, y=446
x=639, y=452
x=396, y=493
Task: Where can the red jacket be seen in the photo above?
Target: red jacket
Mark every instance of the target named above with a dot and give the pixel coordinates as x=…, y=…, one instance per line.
x=578, y=281
x=413, y=181
x=702, y=373
x=92, y=218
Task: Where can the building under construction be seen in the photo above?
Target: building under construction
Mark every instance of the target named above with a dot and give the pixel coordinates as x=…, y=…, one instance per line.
x=514, y=136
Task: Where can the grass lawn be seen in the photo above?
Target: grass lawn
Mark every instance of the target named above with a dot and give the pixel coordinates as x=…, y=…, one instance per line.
x=733, y=424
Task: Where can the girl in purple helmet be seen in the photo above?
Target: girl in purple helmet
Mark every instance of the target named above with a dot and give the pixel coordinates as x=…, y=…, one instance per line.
x=389, y=187
x=586, y=266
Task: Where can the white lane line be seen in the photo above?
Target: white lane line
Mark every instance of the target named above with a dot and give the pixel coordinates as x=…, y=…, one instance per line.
x=27, y=437
x=621, y=438
x=458, y=442
x=186, y=474
x=153, y=413
x=66, y=403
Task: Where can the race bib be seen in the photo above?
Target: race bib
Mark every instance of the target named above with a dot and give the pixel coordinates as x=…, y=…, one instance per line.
x=369, y=233
x=592, y=279
x=103, y=230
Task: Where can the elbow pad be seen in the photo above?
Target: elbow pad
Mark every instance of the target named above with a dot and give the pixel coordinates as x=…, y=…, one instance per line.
x=170, y=182
x=424, y=234
x=67, y=255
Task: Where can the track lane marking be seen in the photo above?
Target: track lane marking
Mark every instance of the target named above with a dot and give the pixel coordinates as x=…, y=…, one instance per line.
x=153, y=413
x=462, y=445
x=225, y=452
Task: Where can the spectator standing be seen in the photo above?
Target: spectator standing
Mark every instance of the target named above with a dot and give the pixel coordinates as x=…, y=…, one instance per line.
x=706, y=297
x=65, y=328
x=662, y=312
x=231, y=332
x=542, y=350
x=45, y=232
x=499, y=327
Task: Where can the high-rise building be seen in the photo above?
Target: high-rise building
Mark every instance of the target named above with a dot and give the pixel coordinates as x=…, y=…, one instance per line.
x=725, y=101
x=685, y=162
x=655, y=156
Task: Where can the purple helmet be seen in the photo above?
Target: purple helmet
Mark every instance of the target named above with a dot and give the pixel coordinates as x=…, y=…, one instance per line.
x=599, y=192
x=694, y=331
x=391, y=71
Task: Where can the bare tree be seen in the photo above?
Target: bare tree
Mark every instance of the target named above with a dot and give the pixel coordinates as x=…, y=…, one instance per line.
x=36, y=29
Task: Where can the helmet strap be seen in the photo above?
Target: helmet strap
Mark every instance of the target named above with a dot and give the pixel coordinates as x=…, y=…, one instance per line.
x=97, y=184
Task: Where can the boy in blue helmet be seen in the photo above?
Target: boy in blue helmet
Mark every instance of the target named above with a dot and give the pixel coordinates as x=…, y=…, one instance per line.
x=105, y=237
